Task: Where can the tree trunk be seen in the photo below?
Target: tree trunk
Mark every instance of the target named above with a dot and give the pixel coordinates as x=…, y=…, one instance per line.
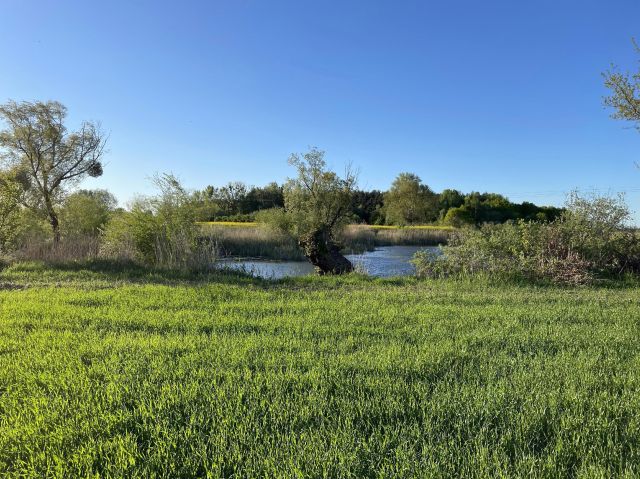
x=55, y=226
x=53, y=217
x=320, y=249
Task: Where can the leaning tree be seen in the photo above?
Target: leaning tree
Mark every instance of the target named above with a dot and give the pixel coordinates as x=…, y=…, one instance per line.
x=37, y=143
x=317, y=204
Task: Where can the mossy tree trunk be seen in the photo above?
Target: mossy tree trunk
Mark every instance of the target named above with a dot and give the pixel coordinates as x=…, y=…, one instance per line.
x=322, y=251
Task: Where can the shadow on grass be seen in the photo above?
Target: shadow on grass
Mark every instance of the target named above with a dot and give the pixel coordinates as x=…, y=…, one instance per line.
x=118, y=272
x=96, y=271
x=17, y=275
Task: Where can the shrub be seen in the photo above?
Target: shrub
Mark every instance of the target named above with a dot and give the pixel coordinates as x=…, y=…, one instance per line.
x=275, y=219
x=160, y=231
x=86, y=212
x=590, y=240
x=458, y=216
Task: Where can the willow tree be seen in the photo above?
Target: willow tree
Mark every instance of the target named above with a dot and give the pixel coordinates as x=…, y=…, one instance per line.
x=37, y=143
x=625, y=93
x=317, y=204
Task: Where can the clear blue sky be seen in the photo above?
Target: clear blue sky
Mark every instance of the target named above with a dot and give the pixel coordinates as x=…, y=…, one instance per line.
x=500, y=96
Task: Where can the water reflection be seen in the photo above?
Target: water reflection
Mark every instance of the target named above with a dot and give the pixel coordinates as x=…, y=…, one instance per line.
x=385, y=261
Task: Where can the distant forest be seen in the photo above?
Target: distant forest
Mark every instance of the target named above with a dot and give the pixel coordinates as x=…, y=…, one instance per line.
x=407, y=202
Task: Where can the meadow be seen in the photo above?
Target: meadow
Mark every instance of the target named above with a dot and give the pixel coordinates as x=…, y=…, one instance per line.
x=115, y=371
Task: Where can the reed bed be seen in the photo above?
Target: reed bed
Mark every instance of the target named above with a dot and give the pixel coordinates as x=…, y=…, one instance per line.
x=253, y=241
x=258, y=241
x=77, y=248
x=359, y=238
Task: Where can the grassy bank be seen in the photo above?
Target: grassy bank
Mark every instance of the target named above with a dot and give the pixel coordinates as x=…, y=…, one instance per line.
x=254, y=240
x=130, y=373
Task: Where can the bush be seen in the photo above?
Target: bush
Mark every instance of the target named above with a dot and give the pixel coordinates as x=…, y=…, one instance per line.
x=160, y=231
x=275, y=219
x=590, y=240
x=86, y=212
x=458, y=216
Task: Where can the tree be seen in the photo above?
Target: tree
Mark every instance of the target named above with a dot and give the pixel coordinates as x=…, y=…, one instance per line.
x=317, y=205
x=37, y=142
x=449, y=199
x=205, y=205
x=625, y=93
x=86, y=212
x=12, y=187
x=262, y=198
x=408, y=201
x=231, y=196
x=367, y=206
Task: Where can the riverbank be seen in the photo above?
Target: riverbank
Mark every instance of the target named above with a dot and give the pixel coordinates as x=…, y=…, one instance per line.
x=108, y=370
x=257, y=241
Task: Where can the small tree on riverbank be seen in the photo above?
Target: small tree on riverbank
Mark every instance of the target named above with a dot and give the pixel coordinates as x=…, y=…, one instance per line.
x=317, y=207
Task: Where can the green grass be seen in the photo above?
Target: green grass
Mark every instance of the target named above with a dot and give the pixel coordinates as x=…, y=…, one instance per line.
x=116, y=372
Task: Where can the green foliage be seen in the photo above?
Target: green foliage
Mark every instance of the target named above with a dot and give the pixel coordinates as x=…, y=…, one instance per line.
x=276, y=219
x=86, y=212
x=36, y=142
x=160, y=230
x=367, y=207
x=236, y=200
x=458, y=217
x=408, y=201
x=262, y=198
x=590, y=240
x=11, y=194
x=478, y=208
x=317, y=199
x=137, y=373
x=450, y=199
x=625, y=94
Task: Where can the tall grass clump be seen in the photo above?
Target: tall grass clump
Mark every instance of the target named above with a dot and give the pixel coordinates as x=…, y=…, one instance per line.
x=591, y=240
x=160, y=231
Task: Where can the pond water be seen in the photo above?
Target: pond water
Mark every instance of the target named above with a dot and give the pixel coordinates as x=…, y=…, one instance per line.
x=384, y=261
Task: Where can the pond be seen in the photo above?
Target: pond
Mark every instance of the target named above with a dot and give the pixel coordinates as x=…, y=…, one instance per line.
x=384, y=261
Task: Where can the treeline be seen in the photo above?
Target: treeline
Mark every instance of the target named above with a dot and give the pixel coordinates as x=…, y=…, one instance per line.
x=407, y=202
x=42, y=214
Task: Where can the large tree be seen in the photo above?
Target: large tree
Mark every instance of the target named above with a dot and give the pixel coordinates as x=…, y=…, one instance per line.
x=318, y=205
x=625, y=93
x=37, y=142
x=408, y=201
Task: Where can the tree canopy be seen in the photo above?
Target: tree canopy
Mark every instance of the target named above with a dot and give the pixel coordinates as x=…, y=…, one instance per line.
x=36, y=142
x=409, y=201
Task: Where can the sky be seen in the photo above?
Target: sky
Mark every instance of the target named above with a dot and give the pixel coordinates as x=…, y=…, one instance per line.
x=497, y=96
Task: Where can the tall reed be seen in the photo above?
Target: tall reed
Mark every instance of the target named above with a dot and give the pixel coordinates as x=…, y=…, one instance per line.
x=257, y=241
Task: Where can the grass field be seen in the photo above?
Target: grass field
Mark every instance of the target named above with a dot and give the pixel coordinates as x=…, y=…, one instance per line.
x=138, y=374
